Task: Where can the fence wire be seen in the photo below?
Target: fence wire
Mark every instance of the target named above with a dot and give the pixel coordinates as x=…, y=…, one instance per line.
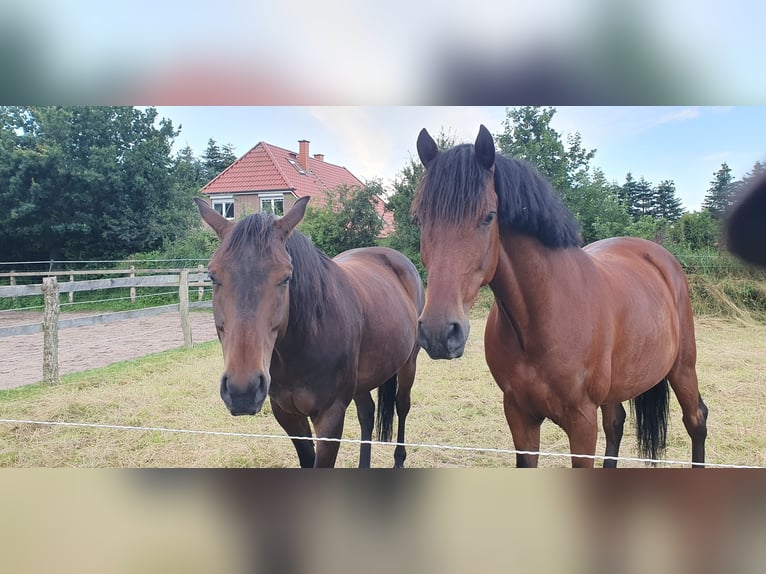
x=370, y=442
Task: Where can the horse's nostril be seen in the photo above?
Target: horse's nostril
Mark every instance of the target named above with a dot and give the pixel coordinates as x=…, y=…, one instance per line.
x=453, y=335
x=260, y=384
x=454, y=330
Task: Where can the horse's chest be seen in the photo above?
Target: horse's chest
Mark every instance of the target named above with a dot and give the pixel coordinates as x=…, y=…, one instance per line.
x=306, y=388
x=299, y=397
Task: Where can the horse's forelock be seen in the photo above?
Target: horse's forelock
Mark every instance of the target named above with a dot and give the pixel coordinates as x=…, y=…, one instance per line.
x=453, y=188
x=255, y=231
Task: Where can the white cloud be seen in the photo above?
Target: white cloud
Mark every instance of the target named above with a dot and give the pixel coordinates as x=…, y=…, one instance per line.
x=679, y=115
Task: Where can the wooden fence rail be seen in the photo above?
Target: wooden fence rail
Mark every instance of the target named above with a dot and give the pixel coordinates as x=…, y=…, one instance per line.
x=199, y=280
x=50, y=288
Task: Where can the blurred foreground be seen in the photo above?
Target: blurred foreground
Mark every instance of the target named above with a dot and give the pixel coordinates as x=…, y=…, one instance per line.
x=382, y=521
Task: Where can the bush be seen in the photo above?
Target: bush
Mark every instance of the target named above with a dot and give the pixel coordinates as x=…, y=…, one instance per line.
x=347, y=219
x=194, y=248
x=696, y=231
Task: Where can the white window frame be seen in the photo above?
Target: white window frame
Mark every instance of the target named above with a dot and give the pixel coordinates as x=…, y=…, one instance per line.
x=269, y=198
x=220, y=204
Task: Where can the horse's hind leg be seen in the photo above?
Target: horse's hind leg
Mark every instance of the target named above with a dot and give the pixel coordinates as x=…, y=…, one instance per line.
x=296, y=425
x=683, y=381
x=406, y=376
x=613, y=417
x=365, y=412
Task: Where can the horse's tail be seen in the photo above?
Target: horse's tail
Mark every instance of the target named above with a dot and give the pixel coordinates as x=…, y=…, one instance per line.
x=651, y=412
x=386, y=405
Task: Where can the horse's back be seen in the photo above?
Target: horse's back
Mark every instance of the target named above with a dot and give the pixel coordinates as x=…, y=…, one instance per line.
x=623, y=259
x=376, y=268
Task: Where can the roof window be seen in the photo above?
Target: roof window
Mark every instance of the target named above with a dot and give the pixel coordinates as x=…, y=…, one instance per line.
x=297, y=166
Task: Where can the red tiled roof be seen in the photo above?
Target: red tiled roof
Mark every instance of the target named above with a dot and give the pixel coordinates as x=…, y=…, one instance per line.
x=268, y=167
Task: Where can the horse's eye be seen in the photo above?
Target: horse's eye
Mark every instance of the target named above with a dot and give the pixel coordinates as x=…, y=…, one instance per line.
x=286, y=280
x=212, y=278
x=489, y=218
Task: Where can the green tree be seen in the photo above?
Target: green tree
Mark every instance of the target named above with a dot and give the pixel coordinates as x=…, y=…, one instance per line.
x=629, y=194
x=643, y=199
x=740, y=186
x=758, y=171
x=87, y=182
x=406, y=234
x=666, y=204
x=216, y=159
x=346, y=220
x=595, y=202
x=720, y=194
x=528, y=135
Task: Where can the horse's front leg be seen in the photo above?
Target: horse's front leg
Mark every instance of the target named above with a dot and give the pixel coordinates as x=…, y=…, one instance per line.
x=581, y=426
x=525, y=431
x=296, y=425
x=329, y=424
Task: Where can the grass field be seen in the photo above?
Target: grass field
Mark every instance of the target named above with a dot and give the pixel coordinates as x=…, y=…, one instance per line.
x=454, y=403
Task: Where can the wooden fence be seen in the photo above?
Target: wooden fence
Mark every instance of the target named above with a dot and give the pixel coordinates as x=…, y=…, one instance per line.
x=50, y=289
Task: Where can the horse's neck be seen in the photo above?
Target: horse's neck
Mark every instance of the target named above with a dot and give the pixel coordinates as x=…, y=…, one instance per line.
x=529, y=277
x=314, y=296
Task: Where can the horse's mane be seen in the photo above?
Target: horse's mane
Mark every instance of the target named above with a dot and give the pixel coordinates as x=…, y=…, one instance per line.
x=452, y=187
x=314, y=286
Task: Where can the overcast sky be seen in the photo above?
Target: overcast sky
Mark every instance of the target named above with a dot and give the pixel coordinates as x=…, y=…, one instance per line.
x=683, y=144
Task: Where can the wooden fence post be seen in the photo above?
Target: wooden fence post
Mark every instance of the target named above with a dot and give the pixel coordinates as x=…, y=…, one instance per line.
x=200, y=290
x=132, y=289
x=50, y=290
x=183, y=307
x=13, y=283
x=71, y=293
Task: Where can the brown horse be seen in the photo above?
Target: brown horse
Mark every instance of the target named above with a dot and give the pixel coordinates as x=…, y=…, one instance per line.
x=313, y=333
x=572, y=329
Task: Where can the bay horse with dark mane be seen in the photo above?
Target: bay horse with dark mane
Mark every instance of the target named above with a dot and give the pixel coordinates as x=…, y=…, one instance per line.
x=313, y=333
x=572, y=329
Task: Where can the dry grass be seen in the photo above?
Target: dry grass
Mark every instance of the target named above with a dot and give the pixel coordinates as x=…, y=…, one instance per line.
x=454, y=403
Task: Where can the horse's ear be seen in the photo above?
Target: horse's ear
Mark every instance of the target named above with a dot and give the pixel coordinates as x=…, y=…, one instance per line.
x=220, y=224
x=485, y=148
x=285, y=225
x=427, y=149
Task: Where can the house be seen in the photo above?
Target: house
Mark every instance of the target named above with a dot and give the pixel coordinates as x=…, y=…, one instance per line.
x=270, y=178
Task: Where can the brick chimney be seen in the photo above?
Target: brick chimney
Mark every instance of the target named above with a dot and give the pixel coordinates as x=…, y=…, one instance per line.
x=319, y=156
x=303, y=154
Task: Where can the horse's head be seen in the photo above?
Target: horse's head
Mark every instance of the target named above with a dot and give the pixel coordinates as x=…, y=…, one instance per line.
x=456, y=208
x=251, y=271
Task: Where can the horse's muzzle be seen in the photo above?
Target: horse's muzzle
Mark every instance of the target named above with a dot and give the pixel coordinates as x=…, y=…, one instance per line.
x=247, y=401
x=446, y=342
